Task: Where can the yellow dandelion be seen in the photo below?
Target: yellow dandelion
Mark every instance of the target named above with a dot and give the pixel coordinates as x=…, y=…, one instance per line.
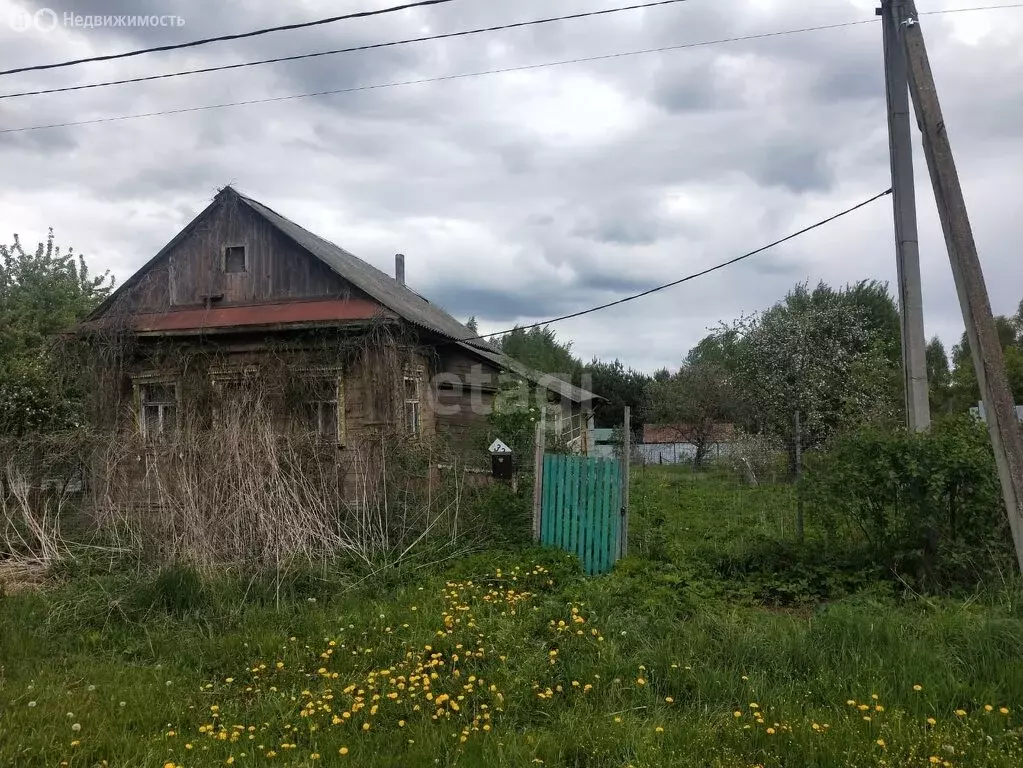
x=75, y=743
x=669, y=700
x=960, y=713
x=880, y=743
x=618, y=719
x=737, y=713
x=314, y=756
x=931, y=721
x=365, y=726
x=770, y=731
x=918, y=687
x=867, y=718
x=1003, y=710
x=988, y=708
x=343, y=751
x=851, y=702
x=640, y=681
x=658, y=729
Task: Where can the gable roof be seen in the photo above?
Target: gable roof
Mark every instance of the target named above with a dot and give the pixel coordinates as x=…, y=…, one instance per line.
x=405, y=302
x=383, y=288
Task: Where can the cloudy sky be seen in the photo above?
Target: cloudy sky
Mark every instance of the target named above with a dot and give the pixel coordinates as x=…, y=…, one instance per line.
x=527, y=195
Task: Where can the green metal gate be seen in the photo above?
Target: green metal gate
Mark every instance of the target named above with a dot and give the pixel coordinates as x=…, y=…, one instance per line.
x=582, y=510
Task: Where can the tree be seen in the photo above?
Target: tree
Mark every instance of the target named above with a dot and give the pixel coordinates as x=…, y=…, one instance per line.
x=964, y=390
x=939, y=377
x=472, y=325
x=693, y=404
x=619, y=388
x=540, y=349
x=719, y=348
x=821, y=356
x=41, y=293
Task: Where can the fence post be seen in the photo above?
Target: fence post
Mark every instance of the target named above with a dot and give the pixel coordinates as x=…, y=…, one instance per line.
x=539, y=444
x=626, y=462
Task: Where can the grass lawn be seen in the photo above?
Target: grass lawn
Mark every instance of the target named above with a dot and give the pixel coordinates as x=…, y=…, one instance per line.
x=515, y=659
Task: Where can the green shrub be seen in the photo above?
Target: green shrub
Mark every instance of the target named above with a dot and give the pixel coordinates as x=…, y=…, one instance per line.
x=925, y=505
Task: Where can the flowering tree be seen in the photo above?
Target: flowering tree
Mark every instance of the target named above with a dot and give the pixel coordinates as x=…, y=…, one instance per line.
x=815, y=358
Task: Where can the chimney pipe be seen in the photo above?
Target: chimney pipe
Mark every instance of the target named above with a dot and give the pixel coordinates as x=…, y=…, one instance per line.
x=399, y=268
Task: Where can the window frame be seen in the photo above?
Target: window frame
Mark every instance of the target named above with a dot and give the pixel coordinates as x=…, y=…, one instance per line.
x=139, y=384
x=335, y=376
x=245, y=258
x=413, y=429
x=222, y=378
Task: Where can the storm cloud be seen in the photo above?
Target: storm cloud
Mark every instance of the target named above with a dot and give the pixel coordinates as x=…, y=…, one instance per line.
x=536, y=193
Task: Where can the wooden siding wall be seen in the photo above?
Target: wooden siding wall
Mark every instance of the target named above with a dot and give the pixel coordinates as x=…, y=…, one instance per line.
x=276, y=269
x=467, y=409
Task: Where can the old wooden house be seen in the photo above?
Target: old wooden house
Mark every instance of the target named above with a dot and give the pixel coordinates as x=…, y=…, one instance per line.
x=244, y=306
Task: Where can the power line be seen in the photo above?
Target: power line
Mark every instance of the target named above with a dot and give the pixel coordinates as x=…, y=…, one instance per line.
x=467, y=75
x=687, y=278
x=367, y=47
x=425, y=80
x=238, y=36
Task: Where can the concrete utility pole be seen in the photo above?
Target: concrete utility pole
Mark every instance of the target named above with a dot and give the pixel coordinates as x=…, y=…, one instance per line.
x=907, y=250
x=985, y=347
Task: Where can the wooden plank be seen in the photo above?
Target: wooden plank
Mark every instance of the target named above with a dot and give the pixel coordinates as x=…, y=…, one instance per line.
x=584, y=488
x=549, y=508
x=588, y=522
x=600, y=562
x=557, y=502
x=538, y=446
x=573, y=511
x=566, y=503
x=624, y=483
x=584, y=494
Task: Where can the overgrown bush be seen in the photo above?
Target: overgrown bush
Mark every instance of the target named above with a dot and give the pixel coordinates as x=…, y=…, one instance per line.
x=926, y=505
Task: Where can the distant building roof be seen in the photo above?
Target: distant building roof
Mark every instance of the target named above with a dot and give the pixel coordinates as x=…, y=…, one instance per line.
x=680, y=433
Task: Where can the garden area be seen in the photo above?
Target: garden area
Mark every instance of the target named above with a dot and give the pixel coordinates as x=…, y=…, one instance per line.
x=718, y=642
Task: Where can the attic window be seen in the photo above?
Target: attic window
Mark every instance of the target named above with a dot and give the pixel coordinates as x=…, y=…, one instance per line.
x=234, y=259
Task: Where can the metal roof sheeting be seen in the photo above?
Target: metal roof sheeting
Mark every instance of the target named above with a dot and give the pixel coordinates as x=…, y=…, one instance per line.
x=405, y=302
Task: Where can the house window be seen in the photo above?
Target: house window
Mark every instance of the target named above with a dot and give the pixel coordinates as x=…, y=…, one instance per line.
x=413, y=413
x=234, y=259
x=237, y=395
x=158, y=406
x=324, y=408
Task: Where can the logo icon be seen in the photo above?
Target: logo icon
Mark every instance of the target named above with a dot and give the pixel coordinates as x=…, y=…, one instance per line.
x=45, y=20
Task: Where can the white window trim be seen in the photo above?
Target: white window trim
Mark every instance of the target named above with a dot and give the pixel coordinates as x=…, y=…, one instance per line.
x=414, y=375
x=142, y=380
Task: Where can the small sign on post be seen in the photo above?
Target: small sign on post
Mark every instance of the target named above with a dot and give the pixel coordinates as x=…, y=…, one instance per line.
x=501, y=461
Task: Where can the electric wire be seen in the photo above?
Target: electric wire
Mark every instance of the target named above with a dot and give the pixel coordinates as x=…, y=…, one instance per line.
x=481, y=73
x=353, y=49
x=220, y=38
x=688, y=278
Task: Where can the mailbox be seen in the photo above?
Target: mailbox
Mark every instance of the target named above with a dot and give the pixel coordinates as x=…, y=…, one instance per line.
x=501, y=461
